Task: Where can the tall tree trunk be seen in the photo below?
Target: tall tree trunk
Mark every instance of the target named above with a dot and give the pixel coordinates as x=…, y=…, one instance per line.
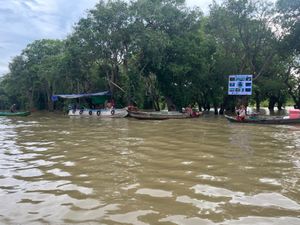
x=229, y=103
x=30, y=99
x=49, y=92
x=257, y=101
x=243, y=100
x=279, y=105
x=221, y=111
x=272, y=102
x=206, y=105
x=297, y=104
x=200, y=106
x=156, y=104
x=216, y=109
x=170, y=104
x=50, y=103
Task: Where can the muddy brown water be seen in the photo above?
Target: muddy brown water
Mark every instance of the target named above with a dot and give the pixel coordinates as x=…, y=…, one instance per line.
x=60, y=170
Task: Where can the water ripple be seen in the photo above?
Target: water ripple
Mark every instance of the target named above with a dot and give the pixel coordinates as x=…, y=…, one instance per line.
x=60, y=170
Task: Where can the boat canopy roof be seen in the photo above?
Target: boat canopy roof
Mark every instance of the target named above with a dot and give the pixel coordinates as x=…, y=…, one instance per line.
x=71, y=96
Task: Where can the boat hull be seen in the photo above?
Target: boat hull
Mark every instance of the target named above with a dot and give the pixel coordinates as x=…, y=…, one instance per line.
x=158, y=115
x=15, y=113
x=101, y=113
x=265, y=120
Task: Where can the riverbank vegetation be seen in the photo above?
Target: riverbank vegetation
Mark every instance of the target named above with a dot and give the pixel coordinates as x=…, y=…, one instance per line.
x=160, y=51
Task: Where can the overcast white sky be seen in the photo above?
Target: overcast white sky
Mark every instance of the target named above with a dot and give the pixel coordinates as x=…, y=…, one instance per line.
x=23, y=21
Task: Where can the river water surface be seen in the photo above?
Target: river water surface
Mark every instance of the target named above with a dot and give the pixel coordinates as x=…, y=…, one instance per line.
x=60, y=170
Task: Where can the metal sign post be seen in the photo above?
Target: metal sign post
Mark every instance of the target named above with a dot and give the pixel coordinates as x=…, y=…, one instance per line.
x=240, y=86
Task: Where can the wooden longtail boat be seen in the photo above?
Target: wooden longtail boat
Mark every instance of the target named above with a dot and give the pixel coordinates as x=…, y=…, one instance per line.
x=26, y=113
x=265, y=120
x=159, y=115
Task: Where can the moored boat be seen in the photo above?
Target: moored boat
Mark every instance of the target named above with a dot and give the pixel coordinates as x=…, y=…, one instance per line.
x=160, y=115
x=104, y=110
x=102, y=113
x=25, y=113
x=265, y=120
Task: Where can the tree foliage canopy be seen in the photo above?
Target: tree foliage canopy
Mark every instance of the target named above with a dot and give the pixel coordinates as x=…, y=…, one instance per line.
x=164, y=53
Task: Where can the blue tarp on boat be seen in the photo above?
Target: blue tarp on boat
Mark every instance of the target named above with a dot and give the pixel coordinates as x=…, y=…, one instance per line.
x=55, y=97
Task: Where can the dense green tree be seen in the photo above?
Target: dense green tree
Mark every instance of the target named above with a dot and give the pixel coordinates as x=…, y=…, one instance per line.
x=289, y=48
x=166, y=41
x=156, y=52
x=243, y=29
x=104, y=38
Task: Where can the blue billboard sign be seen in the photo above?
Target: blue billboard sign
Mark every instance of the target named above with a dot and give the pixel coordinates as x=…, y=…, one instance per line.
x=240, y=85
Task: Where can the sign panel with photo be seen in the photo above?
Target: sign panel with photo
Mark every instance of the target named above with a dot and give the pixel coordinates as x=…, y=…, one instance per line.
x=240, y=85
